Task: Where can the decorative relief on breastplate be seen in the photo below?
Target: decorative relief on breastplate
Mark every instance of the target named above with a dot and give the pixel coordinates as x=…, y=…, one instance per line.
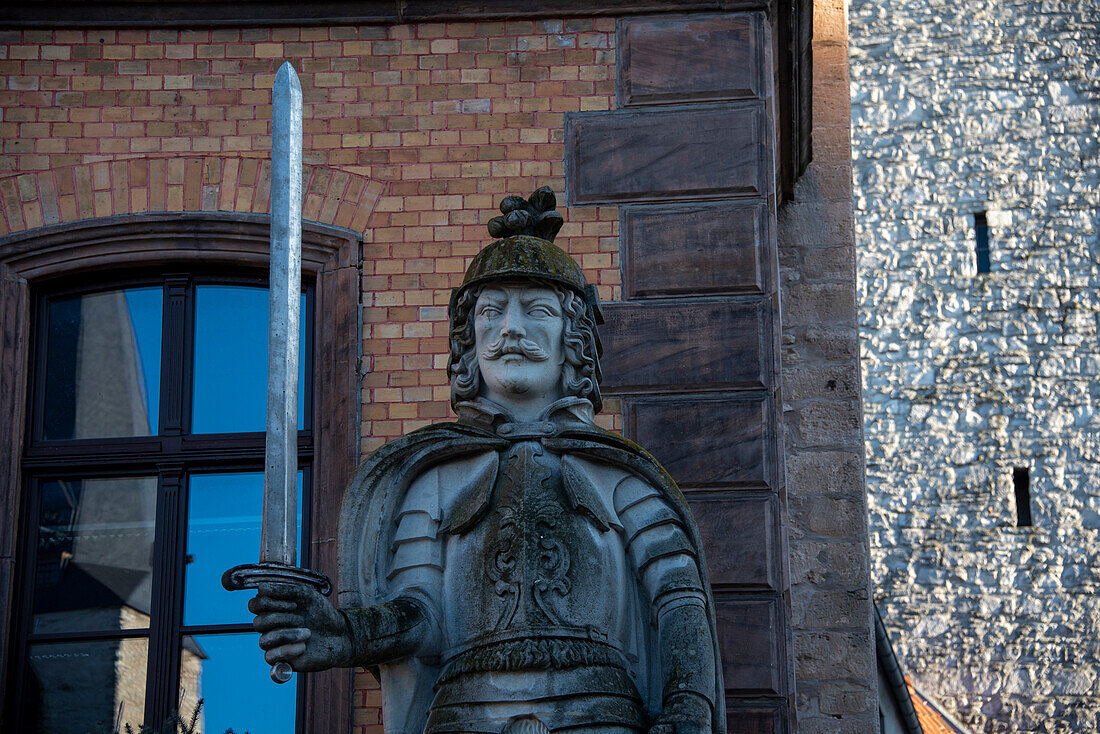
x=527, y=558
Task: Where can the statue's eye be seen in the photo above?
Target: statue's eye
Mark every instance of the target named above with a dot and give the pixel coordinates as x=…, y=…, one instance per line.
x=541, y=311
x=489, y=311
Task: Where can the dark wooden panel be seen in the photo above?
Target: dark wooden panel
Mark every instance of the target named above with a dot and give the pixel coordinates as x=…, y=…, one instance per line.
x=690, y=58
x=178, y=13
x=410, y=10
x=693, y=249
x=705, y=442
x=793, y=92
x=7, y=604
x=749, y=634
x=678, y=346
x=14, y=331
x=739, y=538
x=754, y=718
x=335, y=385
x=665, y=155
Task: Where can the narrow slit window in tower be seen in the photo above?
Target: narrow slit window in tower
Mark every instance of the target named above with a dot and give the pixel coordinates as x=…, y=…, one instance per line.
x=981, y=242
x=1021, y=481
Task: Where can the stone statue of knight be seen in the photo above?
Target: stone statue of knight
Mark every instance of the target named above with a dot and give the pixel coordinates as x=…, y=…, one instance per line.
x=521, y=569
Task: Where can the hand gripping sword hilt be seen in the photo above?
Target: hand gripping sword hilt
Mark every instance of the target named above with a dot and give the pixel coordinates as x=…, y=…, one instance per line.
x=251, y=575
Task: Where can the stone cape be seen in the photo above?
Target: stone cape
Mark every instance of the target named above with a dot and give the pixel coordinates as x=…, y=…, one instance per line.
x=379, y=489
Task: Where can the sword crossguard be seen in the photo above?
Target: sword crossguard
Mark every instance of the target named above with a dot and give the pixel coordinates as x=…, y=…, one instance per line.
x=251, y=575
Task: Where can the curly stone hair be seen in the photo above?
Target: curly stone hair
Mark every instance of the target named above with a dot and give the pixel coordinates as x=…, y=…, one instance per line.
x=580, y=373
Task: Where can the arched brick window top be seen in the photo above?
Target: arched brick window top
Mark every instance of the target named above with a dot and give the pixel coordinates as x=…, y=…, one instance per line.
x=154, y=239
x=32, y=261
x=198, y=184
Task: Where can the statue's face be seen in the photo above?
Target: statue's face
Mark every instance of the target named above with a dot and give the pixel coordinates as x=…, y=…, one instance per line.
x=518, y=332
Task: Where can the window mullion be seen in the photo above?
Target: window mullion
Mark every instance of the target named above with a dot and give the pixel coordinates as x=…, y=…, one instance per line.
x=167, y=607
x=37, y=381
x=176, y=354
x=305, y=539
x=307, y=356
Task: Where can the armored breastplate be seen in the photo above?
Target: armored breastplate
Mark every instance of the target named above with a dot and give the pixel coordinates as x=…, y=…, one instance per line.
x=533, y=566
x=529, y=542
x=534, y=597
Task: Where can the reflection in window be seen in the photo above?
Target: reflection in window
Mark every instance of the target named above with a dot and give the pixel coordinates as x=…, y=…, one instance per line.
x=103, y=365
x=223, y=530
x=85, y=686
x=230, y=384
x=234, y=685
x=93, y=568
x=91, y=605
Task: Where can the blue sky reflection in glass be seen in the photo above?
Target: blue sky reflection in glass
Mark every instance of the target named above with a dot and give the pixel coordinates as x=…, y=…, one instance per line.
x=223, y=530
x=236, y=689
x=230, y=383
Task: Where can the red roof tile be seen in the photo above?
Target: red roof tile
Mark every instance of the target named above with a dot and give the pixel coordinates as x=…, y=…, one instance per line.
x=931, y=719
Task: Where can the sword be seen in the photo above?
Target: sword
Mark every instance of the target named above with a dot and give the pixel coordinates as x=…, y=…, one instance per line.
x=279, y=539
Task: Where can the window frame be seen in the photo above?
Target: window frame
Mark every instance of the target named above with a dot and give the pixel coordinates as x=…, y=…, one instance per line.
x=170, y=456
x=132, y=247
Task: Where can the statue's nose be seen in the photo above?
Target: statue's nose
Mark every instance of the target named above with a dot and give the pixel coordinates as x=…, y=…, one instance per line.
x=512, y=323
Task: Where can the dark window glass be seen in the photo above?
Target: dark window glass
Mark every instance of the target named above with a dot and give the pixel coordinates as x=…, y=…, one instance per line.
x=223, y=530
x=234, y=685
x=1021, y=483
x=85, y=687
x=230, y=385
x=102, y=376
x=93, y=568
x=981, y=242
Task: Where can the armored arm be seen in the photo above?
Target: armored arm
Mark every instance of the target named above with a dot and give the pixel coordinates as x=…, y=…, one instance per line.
x=304, y=629
x=668, y=567
x=406, y=625
x=387, y=631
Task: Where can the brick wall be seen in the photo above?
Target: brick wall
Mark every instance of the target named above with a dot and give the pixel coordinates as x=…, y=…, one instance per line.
x=444, y=119
x=412, y=135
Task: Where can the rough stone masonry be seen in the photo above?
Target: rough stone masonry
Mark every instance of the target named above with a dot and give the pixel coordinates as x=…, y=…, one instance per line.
x=957, y=109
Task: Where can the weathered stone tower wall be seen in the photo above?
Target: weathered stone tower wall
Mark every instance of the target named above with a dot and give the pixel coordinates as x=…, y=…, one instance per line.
x=986, y=106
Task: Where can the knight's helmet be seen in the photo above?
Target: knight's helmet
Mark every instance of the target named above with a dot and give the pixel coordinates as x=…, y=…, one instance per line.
x=526, y=251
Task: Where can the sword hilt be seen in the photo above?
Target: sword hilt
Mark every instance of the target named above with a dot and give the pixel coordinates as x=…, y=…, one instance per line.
x=251, y=575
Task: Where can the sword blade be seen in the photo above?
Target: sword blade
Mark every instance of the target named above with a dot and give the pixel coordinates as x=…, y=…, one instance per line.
x=279, y=536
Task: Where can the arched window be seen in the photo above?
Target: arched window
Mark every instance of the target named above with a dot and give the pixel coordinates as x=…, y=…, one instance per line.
x=137, y=350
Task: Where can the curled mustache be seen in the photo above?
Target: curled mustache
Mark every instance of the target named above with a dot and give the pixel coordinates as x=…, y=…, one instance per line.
x=526, y=347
